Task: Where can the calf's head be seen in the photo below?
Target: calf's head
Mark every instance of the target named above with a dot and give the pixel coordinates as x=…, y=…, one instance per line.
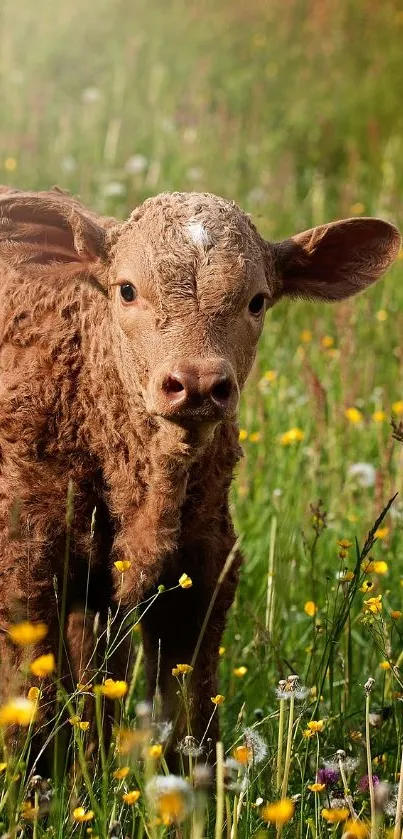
x=188, y=280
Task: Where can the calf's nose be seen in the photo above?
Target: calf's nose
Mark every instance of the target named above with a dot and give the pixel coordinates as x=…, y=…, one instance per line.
x=207, y=387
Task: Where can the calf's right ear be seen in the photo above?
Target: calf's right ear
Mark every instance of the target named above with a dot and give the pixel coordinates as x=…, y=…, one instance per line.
x=335, y=261
x=51, y=233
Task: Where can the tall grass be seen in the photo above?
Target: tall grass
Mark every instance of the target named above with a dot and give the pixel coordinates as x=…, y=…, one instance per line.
x=293, y=109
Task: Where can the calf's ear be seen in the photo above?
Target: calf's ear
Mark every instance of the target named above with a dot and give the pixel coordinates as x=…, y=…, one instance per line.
x=51, y=235
x=335, y=261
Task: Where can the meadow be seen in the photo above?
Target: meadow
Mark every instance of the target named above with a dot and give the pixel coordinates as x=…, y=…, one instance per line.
x=293, y=109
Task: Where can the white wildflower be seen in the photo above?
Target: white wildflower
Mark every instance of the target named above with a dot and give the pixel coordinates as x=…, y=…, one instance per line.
x=136, y=164
x=170, y=796
x=256, y=745
x=364, y=474
x=189, y=747
x=90, y=95
x=113, y=189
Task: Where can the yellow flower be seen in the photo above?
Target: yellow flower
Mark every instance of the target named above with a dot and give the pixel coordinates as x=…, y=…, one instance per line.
x=344, y=543
x=294, y=435
x=84, y=687
x=353, y=415
x=18, y=711
x=122, y=565
x=397, y=407
x=84, y=725
x=367, y=586
x=381, y=533
x=382, y=315
x=81, y=815
x=121, y=773
x=43, y=666
x=243, y=435
x=306, y=336
x=181, y=669
x=255, y=437
x=385, y=665
x=335, y=814
x=316, y=787
x=358, y=208
x=396, y=614
x=379, y=416
x=131, y=797
x=346, y=576
x=10, y=164
x=3, y=766
x=308, y=733
x=155, y=751
x=270, y=375
x=240, y=671
x=316, y=725
x=27, y=633
x=310, y=608
x=114, y=690
x=374, y=605
x=242, y=754
x=221, y=650
x=218, y=700
x=379, y=566
x=185, y=581
x=280, y=812
x=355, y=830
x=171, y=807
x=33, y=694
x=327, y=341
x=28, y=811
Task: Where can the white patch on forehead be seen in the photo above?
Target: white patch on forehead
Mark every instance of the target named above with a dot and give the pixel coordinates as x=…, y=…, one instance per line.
x=198, y=233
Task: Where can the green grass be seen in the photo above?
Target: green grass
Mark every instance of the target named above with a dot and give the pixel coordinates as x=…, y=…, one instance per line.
x=293, y=109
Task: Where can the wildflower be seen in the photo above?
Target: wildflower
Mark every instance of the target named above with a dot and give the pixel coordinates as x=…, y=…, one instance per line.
x=114, y=690
x=316, y=726
x=242, y=754
x=136, y=164
x=310, y=608
x=218, y=699
x=379, y=416
x=3, y=766
x=33, y=694
x=316, y=787
x=358, y=208
x=335, y=814
x=291, y=686
x=240, y=672
x=385, y=665
x=382, y=315
x=270, y=376
x=280, y=812
x=27, y=633
x=221, y=650
x=155, y=751
x=81, y=815
x=28, y=811
x=381, y=533
x=255, y=437
x=131, y=797
x=396, y=614
x=397, y=407
x=82, y=688
x=327, y=341
x=243, y=435
x=256, y=745
x=363, y=473
x=345, y=576
x=128, y=740
x=356, y=829
x=328, y=776
x=43, y=666
x=122, y=565
x=367, y=586
x=171, y=797
x=121, y=773
x=373, y=605
x=189, y=747
x=369, y=685
x=182, y=669
x=306, y=336
x=363, y=783
x=10, y=164
x=294, y=435
x=345, y=544
x=185, y=581
x=353, y=415
x=18, y=711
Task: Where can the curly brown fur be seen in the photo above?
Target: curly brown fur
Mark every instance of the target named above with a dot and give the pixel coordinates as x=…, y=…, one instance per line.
x=82, y=398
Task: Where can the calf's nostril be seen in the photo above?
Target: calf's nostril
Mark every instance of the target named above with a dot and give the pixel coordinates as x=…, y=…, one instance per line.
x=172, y=385
x=221, y=391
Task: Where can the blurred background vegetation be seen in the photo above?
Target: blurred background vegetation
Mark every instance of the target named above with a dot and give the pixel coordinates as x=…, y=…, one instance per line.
x=294, y=109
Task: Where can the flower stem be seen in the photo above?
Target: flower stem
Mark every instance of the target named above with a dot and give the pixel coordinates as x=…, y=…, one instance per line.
x=219, y=823
x=287, y=763
x=399, y=804
x=280, y=744
x=369, y=769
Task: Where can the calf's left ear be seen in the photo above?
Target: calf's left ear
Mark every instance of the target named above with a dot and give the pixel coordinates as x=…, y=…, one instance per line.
x=336, y=260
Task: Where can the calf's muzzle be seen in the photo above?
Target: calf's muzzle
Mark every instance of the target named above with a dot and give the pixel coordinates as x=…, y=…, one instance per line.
x=202, y=390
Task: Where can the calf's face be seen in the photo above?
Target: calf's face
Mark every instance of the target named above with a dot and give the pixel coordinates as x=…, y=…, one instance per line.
x=188, y=280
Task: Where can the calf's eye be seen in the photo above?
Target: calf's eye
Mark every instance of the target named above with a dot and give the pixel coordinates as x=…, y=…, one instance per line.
x=256, y=304
x=128, y=292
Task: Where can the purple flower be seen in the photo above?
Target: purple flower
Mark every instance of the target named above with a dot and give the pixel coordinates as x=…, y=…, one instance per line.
x=328, y=776
x=363, y=784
